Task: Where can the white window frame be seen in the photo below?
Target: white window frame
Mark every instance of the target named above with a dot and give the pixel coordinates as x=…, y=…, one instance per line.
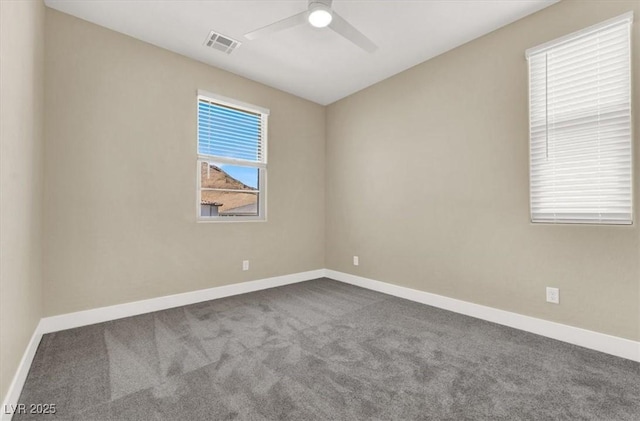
x=261, y=166
x=622, y=19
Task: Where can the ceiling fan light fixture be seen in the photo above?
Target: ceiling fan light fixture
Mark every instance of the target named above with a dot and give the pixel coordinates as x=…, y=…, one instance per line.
x=319, y=15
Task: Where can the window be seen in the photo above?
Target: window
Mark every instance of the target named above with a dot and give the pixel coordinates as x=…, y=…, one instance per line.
x=232, y=159
x=580, y=126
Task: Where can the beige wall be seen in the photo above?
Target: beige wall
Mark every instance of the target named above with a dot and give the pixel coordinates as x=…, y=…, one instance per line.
x=120, y=175
x=427, y=182
x=21, y=143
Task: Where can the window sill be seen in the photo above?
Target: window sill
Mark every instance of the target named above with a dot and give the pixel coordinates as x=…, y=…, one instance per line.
x=235, y=219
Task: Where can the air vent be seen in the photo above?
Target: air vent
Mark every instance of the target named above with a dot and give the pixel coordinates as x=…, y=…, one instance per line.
x=221, y=43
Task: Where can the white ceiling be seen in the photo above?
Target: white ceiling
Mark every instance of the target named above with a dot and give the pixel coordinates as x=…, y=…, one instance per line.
x=316, y=64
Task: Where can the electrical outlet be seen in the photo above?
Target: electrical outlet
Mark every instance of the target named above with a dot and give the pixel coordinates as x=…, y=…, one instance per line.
x=356, y=261
x=245, y=265
x=553, y=295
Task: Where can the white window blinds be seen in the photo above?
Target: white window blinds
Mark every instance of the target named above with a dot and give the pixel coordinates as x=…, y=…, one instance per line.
x=580, y=126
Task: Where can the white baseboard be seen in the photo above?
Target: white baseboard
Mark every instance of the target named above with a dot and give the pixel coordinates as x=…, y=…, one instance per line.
x=608, y=344
x=104, y=314
x=15, y=388
x=613, y=345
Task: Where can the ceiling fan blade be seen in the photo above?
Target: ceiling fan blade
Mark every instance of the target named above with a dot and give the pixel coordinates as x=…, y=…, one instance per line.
x=344, y=28
x=280, y=25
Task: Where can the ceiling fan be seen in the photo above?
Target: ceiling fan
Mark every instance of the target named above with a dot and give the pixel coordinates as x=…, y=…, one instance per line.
x=320, y=15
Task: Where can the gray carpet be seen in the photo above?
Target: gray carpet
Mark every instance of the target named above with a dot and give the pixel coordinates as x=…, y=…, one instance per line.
x=322, y=350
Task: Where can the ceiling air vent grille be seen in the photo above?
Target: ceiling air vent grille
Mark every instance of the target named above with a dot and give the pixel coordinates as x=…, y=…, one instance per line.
x=221, y=43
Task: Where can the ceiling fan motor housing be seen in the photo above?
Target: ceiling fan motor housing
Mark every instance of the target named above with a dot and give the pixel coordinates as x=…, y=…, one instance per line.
x=325, y=3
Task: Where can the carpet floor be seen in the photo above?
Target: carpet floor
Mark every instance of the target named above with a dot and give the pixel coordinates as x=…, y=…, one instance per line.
x=322, y=350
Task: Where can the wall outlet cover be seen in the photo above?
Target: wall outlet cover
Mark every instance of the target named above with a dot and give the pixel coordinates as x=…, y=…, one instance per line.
x=553, y=295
